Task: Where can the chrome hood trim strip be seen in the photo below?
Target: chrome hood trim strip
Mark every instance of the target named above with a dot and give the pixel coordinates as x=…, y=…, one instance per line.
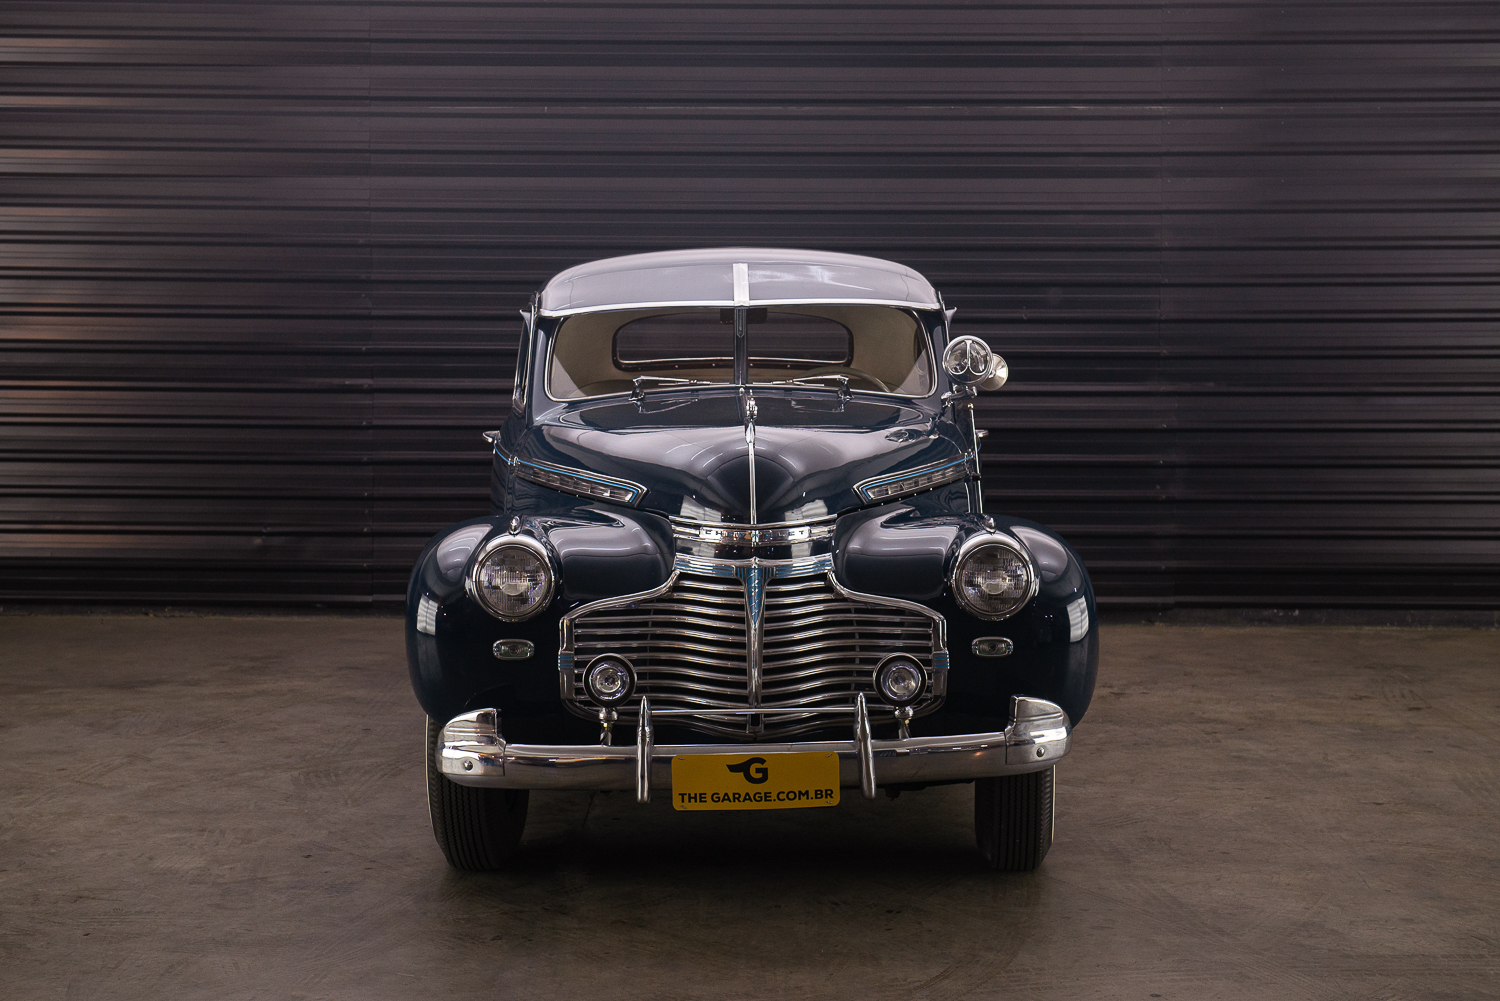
x=889, y=486
x=567, y=479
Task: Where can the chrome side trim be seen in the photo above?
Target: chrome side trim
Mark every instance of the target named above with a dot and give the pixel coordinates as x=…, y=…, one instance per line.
x=472, y=752
x=889, y=486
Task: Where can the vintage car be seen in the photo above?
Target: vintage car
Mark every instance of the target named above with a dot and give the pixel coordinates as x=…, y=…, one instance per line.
x=737, y=555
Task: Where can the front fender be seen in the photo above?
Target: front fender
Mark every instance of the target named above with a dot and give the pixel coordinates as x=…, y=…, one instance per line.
x=597, y=552
x=901, y=552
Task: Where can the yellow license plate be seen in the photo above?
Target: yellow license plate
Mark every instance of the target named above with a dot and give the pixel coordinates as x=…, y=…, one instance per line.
x=755, y=781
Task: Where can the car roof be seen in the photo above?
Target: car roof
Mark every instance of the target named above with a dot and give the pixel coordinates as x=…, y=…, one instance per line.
x=734, y=276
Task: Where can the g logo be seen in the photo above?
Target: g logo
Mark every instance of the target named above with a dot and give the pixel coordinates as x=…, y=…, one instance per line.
x=967, y=359
x=753, y=769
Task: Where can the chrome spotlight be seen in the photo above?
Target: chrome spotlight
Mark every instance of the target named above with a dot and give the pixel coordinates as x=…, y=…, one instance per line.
x=969, y=361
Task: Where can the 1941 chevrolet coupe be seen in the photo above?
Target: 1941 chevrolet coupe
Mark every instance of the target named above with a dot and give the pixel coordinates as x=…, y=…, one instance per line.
x=737, y=556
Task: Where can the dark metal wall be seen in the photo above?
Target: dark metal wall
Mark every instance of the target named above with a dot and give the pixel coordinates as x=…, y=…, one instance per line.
x=262, y=261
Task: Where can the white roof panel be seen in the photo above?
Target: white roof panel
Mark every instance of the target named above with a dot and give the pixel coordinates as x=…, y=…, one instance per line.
x=706, y=278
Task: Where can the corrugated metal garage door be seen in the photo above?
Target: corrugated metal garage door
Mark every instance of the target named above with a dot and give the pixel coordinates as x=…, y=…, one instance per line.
x=262, y=261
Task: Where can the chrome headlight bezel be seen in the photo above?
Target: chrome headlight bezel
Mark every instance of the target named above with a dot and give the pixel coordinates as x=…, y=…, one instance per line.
x=490, y=548
x=971, y=548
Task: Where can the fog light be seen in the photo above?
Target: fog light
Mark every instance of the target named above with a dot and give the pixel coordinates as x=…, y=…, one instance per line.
x=900, y=680
x=609, y=680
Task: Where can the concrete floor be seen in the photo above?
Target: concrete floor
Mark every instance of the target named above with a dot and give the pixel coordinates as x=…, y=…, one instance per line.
x=227, y=808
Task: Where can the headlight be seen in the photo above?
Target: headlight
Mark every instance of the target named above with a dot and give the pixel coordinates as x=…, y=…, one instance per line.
x=992, y=577
x=512, y=578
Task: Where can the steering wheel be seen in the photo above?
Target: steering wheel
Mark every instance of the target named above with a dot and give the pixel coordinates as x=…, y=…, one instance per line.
x=853, y=373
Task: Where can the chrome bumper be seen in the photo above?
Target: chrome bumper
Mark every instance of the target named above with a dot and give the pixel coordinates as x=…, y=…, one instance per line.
x=473, y=753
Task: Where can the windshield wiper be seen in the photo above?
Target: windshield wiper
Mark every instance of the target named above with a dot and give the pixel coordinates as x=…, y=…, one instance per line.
x=638, y=392
x=817, y=380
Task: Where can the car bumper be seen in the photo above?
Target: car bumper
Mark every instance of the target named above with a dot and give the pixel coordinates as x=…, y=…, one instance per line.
x=473, y=753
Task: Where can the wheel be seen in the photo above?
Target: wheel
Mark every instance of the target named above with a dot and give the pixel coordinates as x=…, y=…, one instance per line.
x=1013, y=819
x=478, y=829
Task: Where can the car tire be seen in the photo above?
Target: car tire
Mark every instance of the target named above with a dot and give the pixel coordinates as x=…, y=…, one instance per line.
x=1013, y=819
x=478, y=829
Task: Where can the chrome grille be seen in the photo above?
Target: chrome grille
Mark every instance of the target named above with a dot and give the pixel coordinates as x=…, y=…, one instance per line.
x=688, y=647
x=821, y=648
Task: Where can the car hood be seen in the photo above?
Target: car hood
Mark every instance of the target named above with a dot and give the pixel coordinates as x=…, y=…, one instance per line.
x=689, y=450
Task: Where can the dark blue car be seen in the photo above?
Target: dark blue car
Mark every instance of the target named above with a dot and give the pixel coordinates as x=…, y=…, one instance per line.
x=737, y=556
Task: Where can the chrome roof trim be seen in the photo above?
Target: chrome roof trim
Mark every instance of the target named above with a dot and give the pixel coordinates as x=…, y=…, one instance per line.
x=730, y=303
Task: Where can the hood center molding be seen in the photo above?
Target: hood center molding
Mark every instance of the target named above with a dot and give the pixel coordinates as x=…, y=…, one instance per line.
x=749, y=412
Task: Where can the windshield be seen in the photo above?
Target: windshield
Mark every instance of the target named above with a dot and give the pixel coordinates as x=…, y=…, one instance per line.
x=878, y=349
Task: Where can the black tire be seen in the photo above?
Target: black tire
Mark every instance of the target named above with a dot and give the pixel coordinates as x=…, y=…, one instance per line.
x=1013, y=819
x=478, y=829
